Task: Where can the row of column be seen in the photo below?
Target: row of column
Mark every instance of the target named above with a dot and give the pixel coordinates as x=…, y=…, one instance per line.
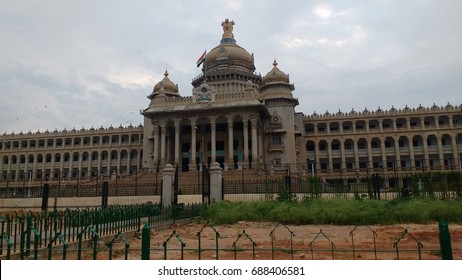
x=71, y=165
x=8, y=145
x=397, y=153
x=160, y=134
x=380, y=122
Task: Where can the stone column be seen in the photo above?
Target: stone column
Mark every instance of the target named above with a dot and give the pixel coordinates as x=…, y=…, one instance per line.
x=177, y=142
x=260, y=149
x=425, y=146
x=397, y=154
x=245, y=126
x=163, y=132
x=156, y=145
x=216, y=190
x=370, y=163
x=193, y=163
x=119, y=161
x=316, y=154
x=34, y=166
x=342, y=153
x=355, y=149
x=384, y=152
x=411, y=154
x=455, y=153
x=440, y=150
x=167, y=186
x=253, y=124
x=213, y=142
x=230, y=144
x=329, y=153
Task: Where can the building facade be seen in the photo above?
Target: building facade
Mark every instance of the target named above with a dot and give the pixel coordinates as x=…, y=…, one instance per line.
x=242, y=120
x=84, y=154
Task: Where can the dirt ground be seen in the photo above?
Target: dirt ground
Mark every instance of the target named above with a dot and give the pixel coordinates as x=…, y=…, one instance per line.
x=249, y=240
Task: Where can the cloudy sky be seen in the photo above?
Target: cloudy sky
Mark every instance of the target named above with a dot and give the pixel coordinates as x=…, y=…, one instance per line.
x=84, y=63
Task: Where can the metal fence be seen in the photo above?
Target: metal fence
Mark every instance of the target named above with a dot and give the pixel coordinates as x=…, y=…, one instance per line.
x=29, y=233
x=436, y=185
x=282, y=242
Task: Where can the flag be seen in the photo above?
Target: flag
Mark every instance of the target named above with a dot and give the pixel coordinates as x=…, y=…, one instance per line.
x=201, y=59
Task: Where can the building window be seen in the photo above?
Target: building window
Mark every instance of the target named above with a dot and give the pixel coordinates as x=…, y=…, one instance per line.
x=276, y=139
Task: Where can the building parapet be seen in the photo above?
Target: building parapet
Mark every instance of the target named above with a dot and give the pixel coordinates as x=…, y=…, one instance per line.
x=384, y=113
x=74, y=132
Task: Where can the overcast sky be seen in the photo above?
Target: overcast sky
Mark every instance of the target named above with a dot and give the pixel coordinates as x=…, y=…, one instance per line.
x=79, y=63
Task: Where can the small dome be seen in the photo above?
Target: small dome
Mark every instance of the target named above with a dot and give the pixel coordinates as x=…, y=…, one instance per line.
x=167, y=85
x=275, y=75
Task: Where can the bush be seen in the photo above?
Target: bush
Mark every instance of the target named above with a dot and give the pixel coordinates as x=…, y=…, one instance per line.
x=336, y=211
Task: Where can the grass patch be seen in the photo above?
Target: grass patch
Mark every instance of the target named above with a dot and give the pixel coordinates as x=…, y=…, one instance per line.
x=336, y=211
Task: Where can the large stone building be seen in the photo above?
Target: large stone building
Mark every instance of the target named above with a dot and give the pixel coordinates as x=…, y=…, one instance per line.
x=242, y=121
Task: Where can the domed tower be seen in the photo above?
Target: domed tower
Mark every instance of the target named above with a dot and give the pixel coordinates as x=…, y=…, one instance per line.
x=228, y=67
x=163, y=90
x=276, y=92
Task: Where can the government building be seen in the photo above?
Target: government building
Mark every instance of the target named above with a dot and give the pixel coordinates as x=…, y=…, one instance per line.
x=243, y=121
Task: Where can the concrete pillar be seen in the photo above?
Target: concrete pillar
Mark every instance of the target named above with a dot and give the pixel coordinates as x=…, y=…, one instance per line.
x=167, y=186
x=216, y=190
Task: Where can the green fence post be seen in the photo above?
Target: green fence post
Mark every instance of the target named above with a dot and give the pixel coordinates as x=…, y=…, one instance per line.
x=138, y=219
x=445, y=240
x=145, y=242
x=28, y=233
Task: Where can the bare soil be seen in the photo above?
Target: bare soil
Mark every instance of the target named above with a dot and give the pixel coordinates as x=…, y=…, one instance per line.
x=266, y=241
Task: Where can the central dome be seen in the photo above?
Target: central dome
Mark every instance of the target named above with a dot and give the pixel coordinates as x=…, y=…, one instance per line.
x=228, y=51
x=228, y=55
